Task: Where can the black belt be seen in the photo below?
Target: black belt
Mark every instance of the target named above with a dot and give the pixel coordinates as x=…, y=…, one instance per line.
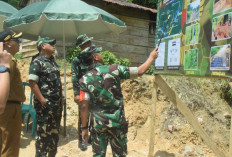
x=13, y=102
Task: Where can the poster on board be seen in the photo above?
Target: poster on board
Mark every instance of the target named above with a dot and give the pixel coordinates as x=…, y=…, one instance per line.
x=197, y=38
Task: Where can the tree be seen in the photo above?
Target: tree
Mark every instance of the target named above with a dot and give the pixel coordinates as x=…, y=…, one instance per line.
x=146, y=3
x=12, y=2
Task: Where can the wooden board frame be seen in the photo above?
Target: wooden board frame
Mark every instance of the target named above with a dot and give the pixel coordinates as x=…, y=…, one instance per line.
x=187, y=113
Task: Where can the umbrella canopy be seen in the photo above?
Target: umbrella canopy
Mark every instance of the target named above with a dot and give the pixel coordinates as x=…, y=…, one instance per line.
x=5, y=11
x=57, y=18
x=63, y=20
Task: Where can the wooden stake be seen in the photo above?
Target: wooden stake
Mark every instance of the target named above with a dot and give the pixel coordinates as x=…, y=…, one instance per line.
x=152, y=125
x=182, y=107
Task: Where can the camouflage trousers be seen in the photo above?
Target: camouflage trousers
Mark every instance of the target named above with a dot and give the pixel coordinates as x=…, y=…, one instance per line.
x=117, y=137
x=48, y=125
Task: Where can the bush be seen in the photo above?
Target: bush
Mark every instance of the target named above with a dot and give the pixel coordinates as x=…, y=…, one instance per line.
x=110, y=58
x=151, y=70
x=72, y=52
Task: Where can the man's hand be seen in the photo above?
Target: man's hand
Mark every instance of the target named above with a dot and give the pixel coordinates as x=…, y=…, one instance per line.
x=76, y=99
x=5, y=57
x=85, y=135
x=43, y=102
x=154, y=53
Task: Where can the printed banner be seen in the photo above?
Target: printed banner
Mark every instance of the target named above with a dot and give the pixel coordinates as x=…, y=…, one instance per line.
x=196, y=39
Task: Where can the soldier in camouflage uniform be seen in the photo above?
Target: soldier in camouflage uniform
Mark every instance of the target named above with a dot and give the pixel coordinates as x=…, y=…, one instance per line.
x=44, y=79
x=101, y=87
x=78, y=70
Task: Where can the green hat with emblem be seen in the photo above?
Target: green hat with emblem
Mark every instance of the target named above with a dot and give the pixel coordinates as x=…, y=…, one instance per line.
x=45, y=40
x=82, y=39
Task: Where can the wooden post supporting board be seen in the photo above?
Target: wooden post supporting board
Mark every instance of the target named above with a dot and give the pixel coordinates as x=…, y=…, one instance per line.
x=152, y=125
x=182, y=107
x=230, y=151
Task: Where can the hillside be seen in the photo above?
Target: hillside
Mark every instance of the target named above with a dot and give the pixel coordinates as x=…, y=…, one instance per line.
x=202, y=96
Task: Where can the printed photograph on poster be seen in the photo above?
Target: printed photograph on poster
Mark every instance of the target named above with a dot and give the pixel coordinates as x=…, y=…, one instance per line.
x=222, y=27
x=220, y=57
x=172, y=27
x=173, y=54
x=221, y=5
x=159, y=62
x=191, y=59
x=193, y=11
x=192, y=34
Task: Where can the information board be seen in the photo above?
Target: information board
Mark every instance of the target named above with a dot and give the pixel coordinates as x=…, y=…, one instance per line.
x=196, y=39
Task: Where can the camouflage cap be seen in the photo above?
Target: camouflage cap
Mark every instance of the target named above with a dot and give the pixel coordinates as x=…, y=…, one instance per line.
x=7, y=35
x=91, y=50
x=82, y=39
x=45, y=40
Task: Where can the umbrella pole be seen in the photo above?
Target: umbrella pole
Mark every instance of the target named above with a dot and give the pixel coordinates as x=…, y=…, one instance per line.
x=64, y=81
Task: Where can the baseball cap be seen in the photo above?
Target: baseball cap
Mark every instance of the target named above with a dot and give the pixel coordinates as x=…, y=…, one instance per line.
x=8, y=35
x=45, y=40
x=82, y=39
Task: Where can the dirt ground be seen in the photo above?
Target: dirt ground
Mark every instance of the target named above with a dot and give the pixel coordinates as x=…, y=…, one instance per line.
x=173, y=135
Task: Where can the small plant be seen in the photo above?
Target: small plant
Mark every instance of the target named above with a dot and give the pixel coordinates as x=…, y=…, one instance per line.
x=151, y=70
x=72, y=52
x=110, y=58
x=226, y=91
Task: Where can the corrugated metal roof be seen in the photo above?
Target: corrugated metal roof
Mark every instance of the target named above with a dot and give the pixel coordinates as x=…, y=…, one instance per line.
x=124, y=3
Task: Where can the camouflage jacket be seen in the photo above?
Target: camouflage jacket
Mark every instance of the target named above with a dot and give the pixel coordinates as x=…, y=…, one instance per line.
x=46, y=73
x=101, y=86
x=78, y=70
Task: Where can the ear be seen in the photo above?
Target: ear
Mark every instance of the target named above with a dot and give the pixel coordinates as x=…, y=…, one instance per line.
x=7, y=44
x=95, y=57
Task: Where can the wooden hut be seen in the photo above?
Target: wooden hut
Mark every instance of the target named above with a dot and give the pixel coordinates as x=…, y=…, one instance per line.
x=137, y=41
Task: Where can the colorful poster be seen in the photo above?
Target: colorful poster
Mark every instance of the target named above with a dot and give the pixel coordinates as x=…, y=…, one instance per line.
x=203, y=45
x=159, y=62
x=221, y=5
x=174, y=54
x=191, y=59
x=220, y=57
x=222, y=27
x=192, y=34
x=173, y=26
x=193, y=11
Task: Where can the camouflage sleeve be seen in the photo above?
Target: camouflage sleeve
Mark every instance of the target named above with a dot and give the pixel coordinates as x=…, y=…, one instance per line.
x=84, y=93
x=127, y=72
x=34, y=70
x=75, y=80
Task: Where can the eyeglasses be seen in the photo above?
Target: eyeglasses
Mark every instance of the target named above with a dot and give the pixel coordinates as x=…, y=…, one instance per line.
x=18, y=40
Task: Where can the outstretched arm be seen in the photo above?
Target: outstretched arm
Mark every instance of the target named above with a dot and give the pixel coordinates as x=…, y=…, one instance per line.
x=145, y=66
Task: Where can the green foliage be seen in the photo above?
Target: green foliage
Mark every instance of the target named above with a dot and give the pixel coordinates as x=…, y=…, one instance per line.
x=72, y=52
x=110, y=58
x=12, y=2
x=190, y=60
x=147, y=3
x=151, y=70
x=215, y=50
x=226, y=91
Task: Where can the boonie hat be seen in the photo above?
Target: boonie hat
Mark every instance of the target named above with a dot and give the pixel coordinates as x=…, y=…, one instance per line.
x=45, y=40
x=82, y=39
x=8, y=35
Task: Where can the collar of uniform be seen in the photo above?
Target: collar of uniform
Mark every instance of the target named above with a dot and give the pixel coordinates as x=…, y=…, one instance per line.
x=45, y=58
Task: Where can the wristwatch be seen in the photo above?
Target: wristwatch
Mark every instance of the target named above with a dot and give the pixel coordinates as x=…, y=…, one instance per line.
x=4, y=69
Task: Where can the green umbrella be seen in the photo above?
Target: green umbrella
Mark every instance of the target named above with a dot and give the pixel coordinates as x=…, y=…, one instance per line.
x=5, y=11
x=63, y=20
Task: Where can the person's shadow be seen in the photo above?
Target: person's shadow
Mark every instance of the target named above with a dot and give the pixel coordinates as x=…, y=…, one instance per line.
x=71, y=135
x=163, y=154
